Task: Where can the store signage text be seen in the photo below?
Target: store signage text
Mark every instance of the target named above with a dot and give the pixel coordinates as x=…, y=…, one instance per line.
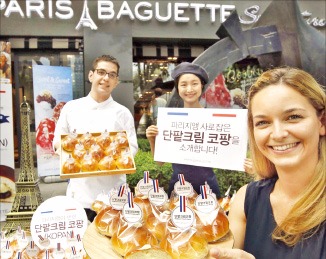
x=4, y=142
x=142, y=11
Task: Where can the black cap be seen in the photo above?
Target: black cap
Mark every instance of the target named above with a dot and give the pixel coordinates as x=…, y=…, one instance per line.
x=190, y=68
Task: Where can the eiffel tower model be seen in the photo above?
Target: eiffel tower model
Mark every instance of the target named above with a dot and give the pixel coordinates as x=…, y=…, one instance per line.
x=28, y=196
x=85, y=19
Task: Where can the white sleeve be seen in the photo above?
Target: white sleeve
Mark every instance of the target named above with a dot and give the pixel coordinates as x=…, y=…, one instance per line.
x=132, y=136
x=128, y=124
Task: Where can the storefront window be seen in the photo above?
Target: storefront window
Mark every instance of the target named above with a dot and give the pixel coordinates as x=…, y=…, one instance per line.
x=148, y=75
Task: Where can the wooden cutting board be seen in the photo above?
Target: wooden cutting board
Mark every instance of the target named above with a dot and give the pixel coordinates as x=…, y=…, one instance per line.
x=98, y=246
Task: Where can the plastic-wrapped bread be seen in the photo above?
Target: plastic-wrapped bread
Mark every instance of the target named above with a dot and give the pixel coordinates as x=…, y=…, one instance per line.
x=71, y=166
x=97, y=206
x=87, y=140
x=124, y=162
x=156, y=222
x=89, y=164
x=130, y=237
x=69, y=142
x=107, y=163
x=184, y=243
x=226, y=201
x=79, y=152
x=107, y=221
x=104, y=140
x=148, y=253
x=96, y=152
x=121, y=140
x=112, y=150
x=144, y=204
x=213, y=225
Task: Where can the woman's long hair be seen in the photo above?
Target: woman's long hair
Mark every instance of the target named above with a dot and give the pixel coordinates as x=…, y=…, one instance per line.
x=309, y=213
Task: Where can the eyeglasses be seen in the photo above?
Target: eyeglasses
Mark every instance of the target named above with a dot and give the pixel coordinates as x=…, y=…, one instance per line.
x=102, y=72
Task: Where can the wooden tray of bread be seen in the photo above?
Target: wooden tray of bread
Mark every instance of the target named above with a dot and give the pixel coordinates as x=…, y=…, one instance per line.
x=95, y=154
x=100, y=246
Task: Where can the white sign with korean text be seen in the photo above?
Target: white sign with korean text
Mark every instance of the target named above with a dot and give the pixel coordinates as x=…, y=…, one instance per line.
x=60, y=219
x=214, y=138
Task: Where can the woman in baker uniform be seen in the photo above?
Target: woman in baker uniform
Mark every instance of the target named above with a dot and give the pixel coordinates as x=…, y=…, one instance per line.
x=189, y=81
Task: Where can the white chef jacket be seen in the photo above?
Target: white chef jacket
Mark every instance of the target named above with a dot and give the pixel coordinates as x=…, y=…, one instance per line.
x=87, y=115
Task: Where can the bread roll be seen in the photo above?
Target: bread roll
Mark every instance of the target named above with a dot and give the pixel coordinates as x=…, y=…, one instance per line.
x=184, y=244
x=107, y=221
x=97, y=206
x=87, y=140
x=107, y=163
x=96, y=152
x=144, y=204
x=149, y=253
x=124, y=162
x=26, y=255
x=79, y=152
x=28, y=252
x=121, y=140
x=132, y=237
x=104, y=140
x=156, y=223
x=71, y=166
x=101, y=201
x=69, y=142
x=112, y=150
x=213, y=226
x=89, y=164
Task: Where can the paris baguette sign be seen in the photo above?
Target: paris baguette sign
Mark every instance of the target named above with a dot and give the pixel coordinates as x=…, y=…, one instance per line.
x=142, y=11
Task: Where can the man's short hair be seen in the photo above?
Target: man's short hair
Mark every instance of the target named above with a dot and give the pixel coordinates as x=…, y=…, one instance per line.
x=107, y=58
